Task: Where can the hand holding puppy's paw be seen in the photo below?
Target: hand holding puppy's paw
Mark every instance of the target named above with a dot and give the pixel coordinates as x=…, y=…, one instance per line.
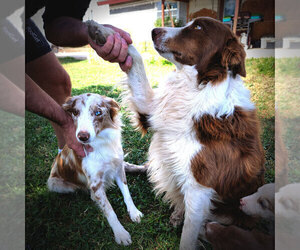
x=122, y=237
x=135, y=215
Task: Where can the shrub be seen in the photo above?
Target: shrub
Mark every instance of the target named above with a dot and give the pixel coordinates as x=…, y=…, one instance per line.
x=168, y=23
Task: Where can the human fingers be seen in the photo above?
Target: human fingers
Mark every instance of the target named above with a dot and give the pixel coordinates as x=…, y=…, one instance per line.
x=103, y=51
x=125, y=35
x=127, y=64
x=115, y=52
x=123, y=52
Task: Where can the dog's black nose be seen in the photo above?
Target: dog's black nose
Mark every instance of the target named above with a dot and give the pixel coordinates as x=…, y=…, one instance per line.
x=83, y=136
x=156, y=32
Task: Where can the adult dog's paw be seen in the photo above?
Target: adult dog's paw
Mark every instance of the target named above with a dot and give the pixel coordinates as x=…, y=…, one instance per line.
x=98, y=32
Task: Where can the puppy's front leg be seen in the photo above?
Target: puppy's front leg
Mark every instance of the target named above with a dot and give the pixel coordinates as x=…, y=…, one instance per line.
x=99, y=196
x=134, y=213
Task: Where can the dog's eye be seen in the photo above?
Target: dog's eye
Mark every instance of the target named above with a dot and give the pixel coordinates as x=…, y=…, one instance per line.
x=75, y=112
x=198, y=27
x=262, y=203
x=97, y=113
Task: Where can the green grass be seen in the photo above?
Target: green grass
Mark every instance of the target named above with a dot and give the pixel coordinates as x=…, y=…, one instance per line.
x=60, y=221
x=288, y=103
x=12, y=188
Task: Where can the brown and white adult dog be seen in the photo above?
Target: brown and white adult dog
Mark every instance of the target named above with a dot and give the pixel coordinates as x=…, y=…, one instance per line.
x=205, y=152
x=97, y=124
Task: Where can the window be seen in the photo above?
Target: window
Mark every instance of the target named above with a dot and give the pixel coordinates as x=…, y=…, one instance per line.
x=173, y=9
x=122, y=8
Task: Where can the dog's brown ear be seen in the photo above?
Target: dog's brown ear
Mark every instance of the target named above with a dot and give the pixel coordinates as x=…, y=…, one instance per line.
x=70, y=104
x=233, y=57
x=114, y=108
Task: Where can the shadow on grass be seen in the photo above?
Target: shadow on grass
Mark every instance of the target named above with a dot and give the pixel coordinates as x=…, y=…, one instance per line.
x=268, y=141
x=67, y=60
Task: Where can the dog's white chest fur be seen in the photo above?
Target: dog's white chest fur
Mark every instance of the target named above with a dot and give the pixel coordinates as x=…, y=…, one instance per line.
x=174, y=143
x=177, y=103
x=107, y=156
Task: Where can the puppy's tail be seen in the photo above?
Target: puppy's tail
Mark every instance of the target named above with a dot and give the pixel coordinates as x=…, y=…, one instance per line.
x=58, y=185
x=132, y=168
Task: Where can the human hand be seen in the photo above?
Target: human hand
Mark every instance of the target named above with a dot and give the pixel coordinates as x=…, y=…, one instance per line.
x=115, y=49
x=69, y=131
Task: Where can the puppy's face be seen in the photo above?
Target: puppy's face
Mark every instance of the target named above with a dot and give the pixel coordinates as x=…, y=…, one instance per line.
x=91, y=113
x=261, y=203
x=287, y=202
x=204, y=42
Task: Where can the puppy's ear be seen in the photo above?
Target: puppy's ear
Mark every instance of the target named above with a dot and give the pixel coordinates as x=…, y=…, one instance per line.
x=70, y=104
x=233, y=57
x=114, y=108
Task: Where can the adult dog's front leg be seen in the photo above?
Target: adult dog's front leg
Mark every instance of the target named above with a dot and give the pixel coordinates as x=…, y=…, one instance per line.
x=134, y=213
x=197, y=209
x=99, y=196
x=139, y=86
x=141, y=91
x=140, y=99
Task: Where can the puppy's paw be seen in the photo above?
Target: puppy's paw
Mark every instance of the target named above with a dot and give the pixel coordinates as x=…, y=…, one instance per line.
x=122, y=237
x=135, y=215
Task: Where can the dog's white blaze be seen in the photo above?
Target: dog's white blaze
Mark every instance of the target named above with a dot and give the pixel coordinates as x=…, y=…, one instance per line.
x=85, y=119
x=171, y=32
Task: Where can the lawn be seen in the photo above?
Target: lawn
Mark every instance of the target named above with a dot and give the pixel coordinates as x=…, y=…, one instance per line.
x=288, y=110
x=12, y=181
x=72, y=221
